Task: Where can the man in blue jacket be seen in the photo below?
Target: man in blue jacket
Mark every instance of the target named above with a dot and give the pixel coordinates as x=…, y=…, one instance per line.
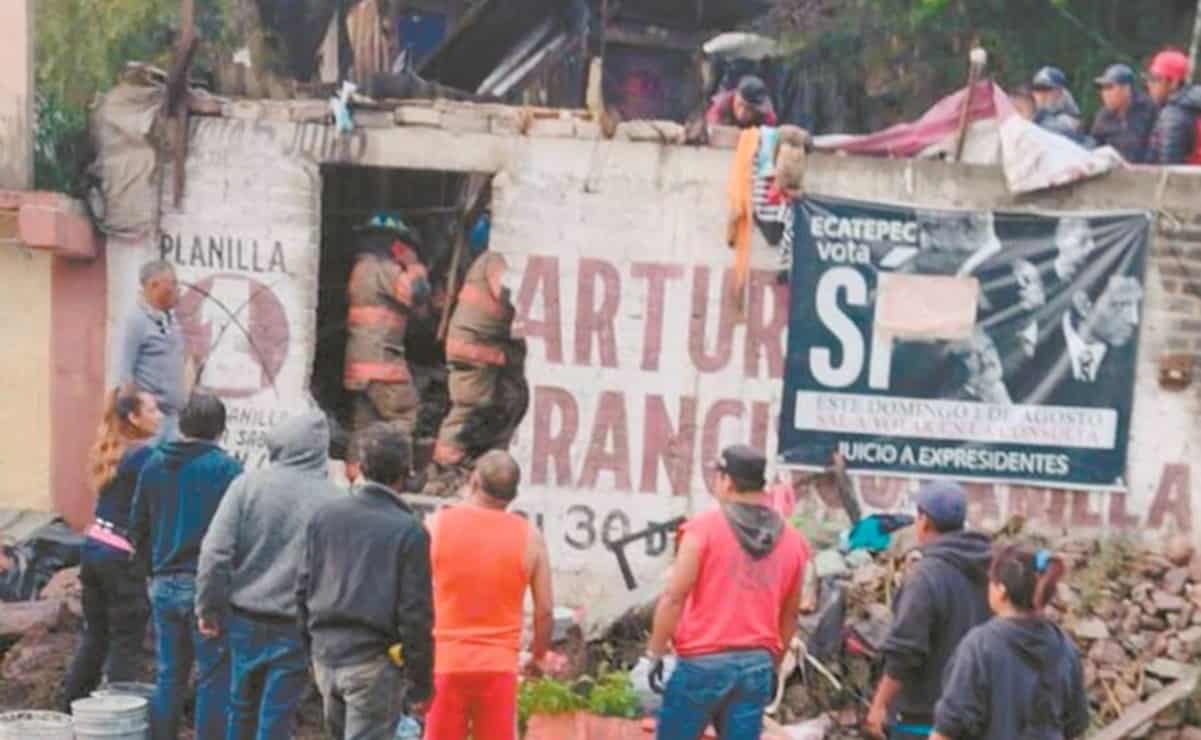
x=177, y=496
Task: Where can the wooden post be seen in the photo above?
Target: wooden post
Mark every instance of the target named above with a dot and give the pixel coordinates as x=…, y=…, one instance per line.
x=975, y=71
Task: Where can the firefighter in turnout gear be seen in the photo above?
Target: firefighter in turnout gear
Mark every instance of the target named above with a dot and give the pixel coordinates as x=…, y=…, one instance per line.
x=488, y=391
x=388, y=283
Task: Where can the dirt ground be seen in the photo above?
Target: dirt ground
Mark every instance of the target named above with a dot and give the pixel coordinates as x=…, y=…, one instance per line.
x=32, y=672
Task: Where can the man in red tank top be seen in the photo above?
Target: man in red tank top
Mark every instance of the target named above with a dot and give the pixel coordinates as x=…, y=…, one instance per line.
x=484, y=560
x=730, y=607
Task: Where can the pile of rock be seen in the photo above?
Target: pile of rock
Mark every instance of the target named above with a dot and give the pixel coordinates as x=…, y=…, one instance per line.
x=1135, y=616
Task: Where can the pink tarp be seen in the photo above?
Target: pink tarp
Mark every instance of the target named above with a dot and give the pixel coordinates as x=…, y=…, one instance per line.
x=1032, y=157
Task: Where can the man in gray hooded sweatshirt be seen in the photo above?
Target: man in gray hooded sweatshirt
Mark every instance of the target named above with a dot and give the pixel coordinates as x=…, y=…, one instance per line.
x=246, y=586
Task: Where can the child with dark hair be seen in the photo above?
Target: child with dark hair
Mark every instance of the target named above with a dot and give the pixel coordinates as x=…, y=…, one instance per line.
x=1017, y=676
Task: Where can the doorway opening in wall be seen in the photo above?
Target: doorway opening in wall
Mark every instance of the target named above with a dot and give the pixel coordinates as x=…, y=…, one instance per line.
x=448, y=214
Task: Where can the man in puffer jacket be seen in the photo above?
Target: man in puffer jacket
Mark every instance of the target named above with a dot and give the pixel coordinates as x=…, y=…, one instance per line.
x=1174, y=139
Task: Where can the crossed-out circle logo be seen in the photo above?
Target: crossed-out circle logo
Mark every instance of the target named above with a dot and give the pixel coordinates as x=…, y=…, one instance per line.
x=237, y=331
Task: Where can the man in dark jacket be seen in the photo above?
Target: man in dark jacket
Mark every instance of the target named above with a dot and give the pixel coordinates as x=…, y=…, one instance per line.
x=248, y=566
x=1174, y=139
x=177, y=496
x=944, y=597
x=747, y=105
x=1055, y=108
x=1126, y=117
x=364, y=592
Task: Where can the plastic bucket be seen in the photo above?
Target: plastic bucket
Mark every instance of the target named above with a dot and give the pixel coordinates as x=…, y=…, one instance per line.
x=127, y=688
x=115, y=717
x=33, y=725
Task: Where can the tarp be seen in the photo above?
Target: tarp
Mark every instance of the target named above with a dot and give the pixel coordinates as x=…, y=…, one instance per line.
x=994, y=346
x=1032, y=157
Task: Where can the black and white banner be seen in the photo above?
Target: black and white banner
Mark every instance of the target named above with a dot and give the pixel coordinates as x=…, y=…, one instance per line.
x=978, y=345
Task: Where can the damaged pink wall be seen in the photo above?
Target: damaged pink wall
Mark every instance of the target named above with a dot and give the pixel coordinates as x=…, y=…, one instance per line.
x=77, y=383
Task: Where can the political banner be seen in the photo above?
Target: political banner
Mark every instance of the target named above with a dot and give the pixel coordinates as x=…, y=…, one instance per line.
x=977, y=345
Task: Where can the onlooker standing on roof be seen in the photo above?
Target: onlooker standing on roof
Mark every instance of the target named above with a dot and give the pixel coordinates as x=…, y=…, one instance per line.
x=152, y=356
x=1055, y=108
x=114, y=585
x=476, y=640
x=1126, y=116
x=246, y=585
x=730, y=608
x=747, y=105
x=943, y=598
x=364, y=589
x=1174, y=139
x=1016, y=675
x=177, y=496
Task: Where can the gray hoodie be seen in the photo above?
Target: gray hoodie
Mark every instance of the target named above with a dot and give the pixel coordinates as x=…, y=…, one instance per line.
x=252, y=551
x=1013, y=679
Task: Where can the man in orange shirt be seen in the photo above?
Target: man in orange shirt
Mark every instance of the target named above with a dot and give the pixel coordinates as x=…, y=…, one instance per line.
x=730, y=607
x=483, y=560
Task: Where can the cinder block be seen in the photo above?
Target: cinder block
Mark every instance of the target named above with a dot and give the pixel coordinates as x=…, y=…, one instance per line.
x=374, y=118
x=418, y=115
x=466, y=121
x=243, y=109
x=659, y=132
x=552, y=128
x=308, y=111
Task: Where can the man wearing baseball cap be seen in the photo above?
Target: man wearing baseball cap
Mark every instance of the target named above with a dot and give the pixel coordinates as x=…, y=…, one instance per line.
x=747, y=105
x=944, y=596
x=730, y=608
x=1174, y=139
x=1126, y=116
x=1055, y=108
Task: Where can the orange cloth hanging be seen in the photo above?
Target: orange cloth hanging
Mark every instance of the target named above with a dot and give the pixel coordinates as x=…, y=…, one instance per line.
x=738, y=230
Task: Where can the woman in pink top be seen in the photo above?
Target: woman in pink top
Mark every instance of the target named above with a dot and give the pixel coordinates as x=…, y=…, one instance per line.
x=730, y=608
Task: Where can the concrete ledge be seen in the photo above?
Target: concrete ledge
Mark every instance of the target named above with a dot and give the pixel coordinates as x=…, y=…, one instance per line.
x=48, y=221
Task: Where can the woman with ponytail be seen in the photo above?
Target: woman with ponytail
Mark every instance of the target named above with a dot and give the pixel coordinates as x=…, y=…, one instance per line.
x=1017, y=676
x=115, y=608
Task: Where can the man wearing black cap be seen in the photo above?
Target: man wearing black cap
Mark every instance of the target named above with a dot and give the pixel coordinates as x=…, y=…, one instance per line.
x=730, y=608
x=1055, y=108
x=747, y=105
x=1126, y=117
x=945, y=596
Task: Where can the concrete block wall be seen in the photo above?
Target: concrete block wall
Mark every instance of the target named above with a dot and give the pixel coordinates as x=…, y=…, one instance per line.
x=639, y=372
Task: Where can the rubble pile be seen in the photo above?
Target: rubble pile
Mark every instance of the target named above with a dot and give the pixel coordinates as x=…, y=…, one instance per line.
x=1134, y=615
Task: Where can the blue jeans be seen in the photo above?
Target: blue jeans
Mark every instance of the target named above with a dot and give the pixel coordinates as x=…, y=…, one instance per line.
x=269, y=668
x=730, y=690
x=180, y=645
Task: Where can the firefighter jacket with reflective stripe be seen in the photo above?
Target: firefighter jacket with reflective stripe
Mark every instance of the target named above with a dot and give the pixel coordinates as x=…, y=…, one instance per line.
x=381, y=296
x=480, y=326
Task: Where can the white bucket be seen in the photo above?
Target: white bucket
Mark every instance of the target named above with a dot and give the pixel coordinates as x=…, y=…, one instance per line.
x=116, y=717
x=31, y=725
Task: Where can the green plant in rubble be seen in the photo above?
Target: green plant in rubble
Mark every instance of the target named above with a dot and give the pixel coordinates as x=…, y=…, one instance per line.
x=1109, y=562
x=613, y=696
x=547, y=696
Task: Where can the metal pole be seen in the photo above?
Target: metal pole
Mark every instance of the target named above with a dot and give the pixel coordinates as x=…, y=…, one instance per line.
x=1192, y=51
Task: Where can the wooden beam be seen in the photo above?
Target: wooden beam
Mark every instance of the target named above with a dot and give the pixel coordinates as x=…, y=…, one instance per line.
x=1140, y=714
x=653, y=37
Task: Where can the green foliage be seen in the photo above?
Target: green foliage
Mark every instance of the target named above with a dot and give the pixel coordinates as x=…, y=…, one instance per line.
x=546, y=696
x=609, y=695
x=81, y=48
x=909, y=53
x=613, y=696
x=60, y=145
